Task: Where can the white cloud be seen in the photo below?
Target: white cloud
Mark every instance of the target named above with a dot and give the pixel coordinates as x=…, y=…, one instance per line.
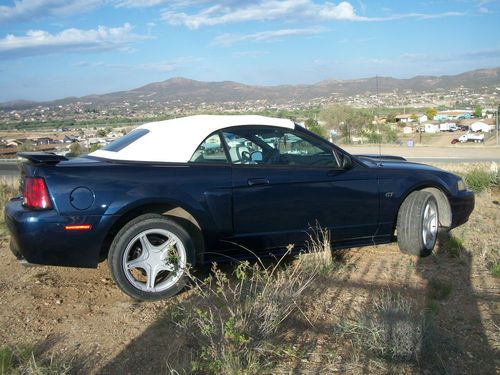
x=250, y=54
x=481, y=4
x=263, y=36
x=274, y=9
x=139, y=3
x=216, y=15
x=162, y=66
x=154, y=3
x=39, y=42
x=478, y=55
x=23, y=10
x=355, y=40
x=170, y=65
x=342, y=11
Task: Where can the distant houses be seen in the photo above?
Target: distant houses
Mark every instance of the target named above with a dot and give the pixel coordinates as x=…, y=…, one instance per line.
x=70, y=139
x=448, y=115
x=480, y=126
x=456, y=114
x=409, y=118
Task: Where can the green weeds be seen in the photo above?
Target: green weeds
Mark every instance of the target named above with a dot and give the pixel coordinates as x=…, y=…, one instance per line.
x=481, y=179
x=495, y=269
x=23, y=359
x=439, y=290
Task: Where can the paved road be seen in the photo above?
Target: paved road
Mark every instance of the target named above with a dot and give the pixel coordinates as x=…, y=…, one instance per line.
x=458, y=154
x=452, y=160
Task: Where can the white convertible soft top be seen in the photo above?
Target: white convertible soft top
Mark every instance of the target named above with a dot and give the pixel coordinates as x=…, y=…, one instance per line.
x=176, y=140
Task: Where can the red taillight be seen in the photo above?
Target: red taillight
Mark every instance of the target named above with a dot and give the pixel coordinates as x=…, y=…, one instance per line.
x=35, y=194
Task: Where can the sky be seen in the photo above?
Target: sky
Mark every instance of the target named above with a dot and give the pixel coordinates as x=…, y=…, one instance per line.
x=51, y=49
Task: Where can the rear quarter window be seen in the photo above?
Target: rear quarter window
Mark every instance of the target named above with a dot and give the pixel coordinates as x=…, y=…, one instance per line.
x=126, y=140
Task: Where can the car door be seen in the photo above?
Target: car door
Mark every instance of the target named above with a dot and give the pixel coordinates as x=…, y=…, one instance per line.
x=286, y=182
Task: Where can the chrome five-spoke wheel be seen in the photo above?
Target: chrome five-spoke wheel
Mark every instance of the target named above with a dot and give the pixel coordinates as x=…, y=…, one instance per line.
x=154, y=260
x=149, y=257
x=430, y=224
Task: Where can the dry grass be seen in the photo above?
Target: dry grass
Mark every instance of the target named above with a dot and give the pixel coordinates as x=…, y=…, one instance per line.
x=393, y=329
x=473, y=239
x=8, y=190
x=26, y=360
x=238, y=316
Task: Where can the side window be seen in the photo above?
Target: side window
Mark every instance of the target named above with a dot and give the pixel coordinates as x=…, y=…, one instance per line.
x=242, y=150
x=210, y=151
x=273, y=146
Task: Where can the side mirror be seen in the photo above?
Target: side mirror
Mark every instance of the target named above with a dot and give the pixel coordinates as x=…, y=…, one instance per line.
x=346, y=162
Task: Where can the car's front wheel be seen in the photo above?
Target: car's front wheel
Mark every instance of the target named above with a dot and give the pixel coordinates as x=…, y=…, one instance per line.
x=418, y=222
x=149, y=257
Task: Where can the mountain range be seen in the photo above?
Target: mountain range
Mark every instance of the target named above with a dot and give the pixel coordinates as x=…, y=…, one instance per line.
x=182, y=90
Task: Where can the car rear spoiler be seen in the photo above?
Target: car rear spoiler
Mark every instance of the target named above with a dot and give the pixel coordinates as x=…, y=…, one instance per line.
x=42, y=157
x=384, y=157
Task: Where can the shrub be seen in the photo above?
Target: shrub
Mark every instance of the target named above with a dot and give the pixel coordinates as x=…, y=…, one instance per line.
x=319, y=258
x=480, y=179
x=391, y=328
x=373, y=137
x=238, y=317
x=391, y=135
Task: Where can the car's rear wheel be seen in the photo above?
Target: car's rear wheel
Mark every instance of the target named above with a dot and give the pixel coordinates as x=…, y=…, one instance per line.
x=418, y=222
x=149, y=256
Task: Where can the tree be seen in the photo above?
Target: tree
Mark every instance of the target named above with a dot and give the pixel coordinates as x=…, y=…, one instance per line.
x=430, y=113
x=391, y=118
x=414, y=117
x=347, y=120
x=101, y=133
x=312, y=125
x=478, y=112
x=75, y=149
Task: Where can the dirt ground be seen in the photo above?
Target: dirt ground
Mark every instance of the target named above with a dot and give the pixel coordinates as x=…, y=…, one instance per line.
x=80, y=316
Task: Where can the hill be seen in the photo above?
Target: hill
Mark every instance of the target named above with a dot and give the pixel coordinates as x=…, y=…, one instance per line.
x=180, y=90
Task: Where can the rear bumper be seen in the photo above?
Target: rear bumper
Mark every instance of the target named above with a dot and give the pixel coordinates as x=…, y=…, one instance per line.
x=39, y=237
x=461, y=208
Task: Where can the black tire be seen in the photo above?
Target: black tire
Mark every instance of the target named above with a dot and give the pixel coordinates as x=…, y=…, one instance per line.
x=411, y=224
x=123, y=244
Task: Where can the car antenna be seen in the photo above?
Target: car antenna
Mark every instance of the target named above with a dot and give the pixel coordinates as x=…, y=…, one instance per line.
x=378, y=122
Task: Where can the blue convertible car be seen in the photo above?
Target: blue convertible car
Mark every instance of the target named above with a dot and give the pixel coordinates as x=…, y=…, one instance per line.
x=186, y=191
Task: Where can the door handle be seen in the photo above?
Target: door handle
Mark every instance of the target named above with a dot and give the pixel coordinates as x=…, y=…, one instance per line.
x=258, y=181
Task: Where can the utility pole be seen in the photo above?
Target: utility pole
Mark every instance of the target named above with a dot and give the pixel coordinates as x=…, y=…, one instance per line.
x=378, y=126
